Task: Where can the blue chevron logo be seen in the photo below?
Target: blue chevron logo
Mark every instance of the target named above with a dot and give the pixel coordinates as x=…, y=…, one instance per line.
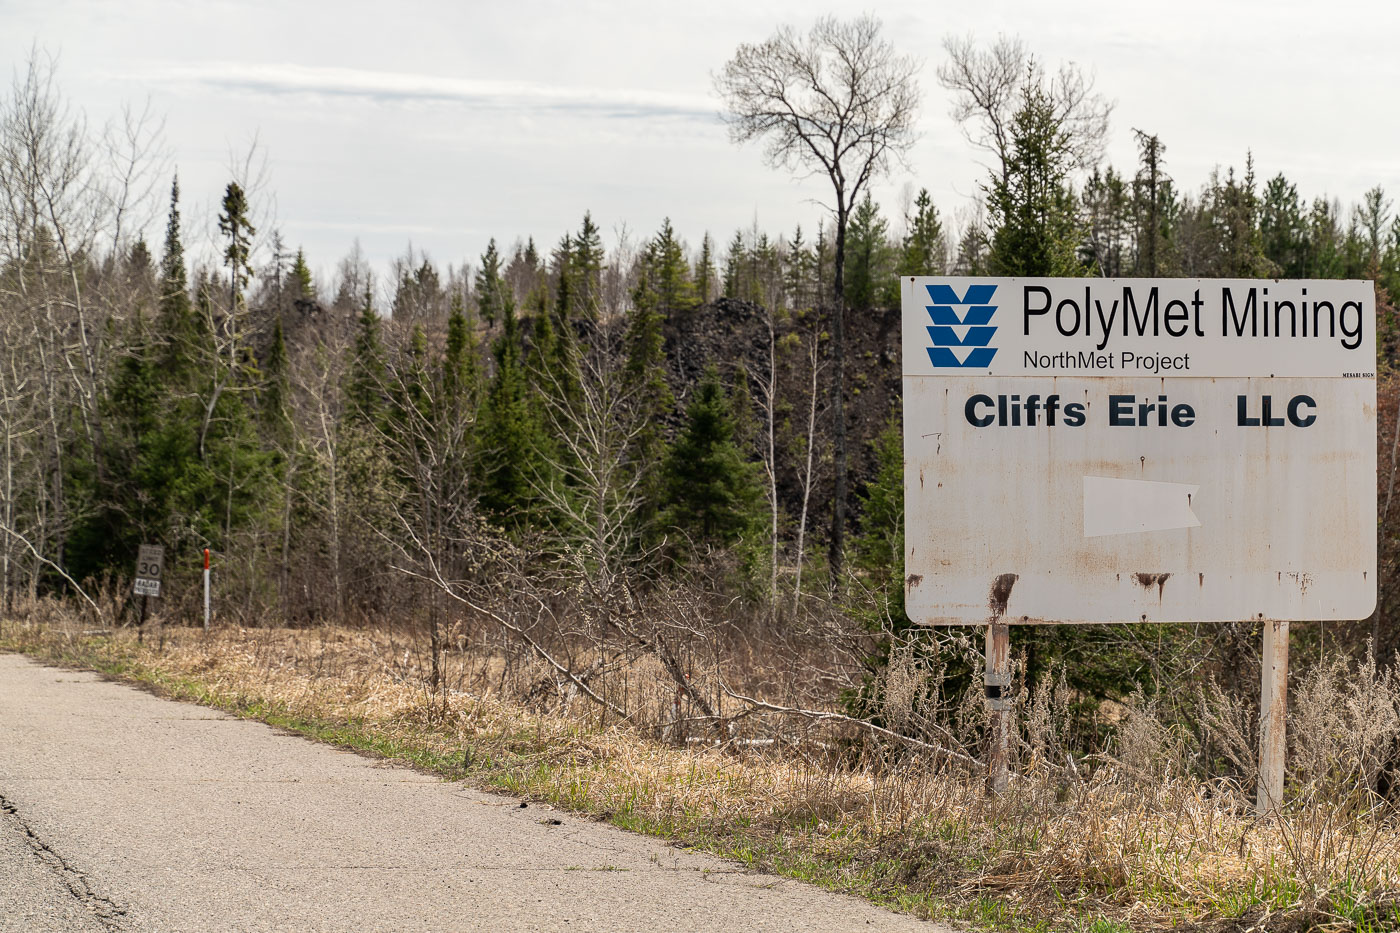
x=976, y=317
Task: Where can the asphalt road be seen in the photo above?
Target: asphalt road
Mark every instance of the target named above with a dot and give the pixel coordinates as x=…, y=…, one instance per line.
x=123, y=811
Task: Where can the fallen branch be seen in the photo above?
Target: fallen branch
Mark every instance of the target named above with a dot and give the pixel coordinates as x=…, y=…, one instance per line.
x=825, y=716
x=521, y=633
x=57, y=569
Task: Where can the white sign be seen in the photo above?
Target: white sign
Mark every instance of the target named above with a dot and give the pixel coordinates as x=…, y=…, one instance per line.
x=150, y=562
x=1139, y=450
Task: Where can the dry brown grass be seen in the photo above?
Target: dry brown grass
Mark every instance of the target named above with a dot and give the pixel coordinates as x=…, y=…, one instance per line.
x=1134, y=844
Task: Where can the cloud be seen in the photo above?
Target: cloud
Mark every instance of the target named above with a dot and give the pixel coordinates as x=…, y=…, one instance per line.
x=392, y=88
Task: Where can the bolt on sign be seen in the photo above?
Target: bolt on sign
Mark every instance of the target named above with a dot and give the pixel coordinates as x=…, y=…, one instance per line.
x=150, y=561
x=1165, y=450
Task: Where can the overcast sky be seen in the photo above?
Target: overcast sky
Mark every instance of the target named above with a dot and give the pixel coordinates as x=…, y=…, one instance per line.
x=442, y=125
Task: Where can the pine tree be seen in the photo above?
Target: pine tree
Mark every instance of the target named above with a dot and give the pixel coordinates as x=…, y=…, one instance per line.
x=734, y=262
x=1324, y=240
x=234, y=224
x=799, y=273
x=177, y=325
x=588, y=269
x=490, y=295
x=1283, y=228
x=922, y=252
x=868, y=268
x=1152, y=203
x=663, y=278
x=1108, y=224
x=972, y=250
x=461, y=372
x=1035, y=230
x=712, y=490
x=566, y=291
x=511, y=435
x=419, y=295
x=880, y=544
x=705, y=270
x=276, y=392
x=365, y=375
x=302, y=284
x=644, y=379
x=1232, y=210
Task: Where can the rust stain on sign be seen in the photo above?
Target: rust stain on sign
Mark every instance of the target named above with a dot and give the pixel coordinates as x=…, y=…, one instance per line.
x=1001, y=594
x=1148, y=580
x=914, y=579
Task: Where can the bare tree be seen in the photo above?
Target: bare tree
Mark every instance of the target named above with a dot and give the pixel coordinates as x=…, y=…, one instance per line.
x=593, y=487
x=841, y=102
x=989, y=86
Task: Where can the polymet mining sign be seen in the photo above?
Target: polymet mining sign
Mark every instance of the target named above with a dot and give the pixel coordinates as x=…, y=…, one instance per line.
x=1123, y=450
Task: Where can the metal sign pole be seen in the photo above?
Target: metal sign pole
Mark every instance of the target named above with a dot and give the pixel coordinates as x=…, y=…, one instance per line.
x=998, y=681
x=1273, y=716
x=206, y=591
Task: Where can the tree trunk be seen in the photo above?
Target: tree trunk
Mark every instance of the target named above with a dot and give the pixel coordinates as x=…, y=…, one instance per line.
x=836, y=550
x=806, y=480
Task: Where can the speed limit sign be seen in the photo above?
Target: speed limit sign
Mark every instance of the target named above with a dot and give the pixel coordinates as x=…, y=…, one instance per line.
x=150, y=561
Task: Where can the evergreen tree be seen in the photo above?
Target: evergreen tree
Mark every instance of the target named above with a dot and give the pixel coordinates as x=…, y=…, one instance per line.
x=1233, y=212
x=1035, y=230
x=1152, y=206
x=1325, y=252
x=276, y=392
x=734, y=262
x=177, y=324
x=869, y=270
x=365, y=376
x=880, y=544
x=490, y=294
x=923, y=249
x=419, y=295
x=234, y=224
x=566, y=291
x=712, y=490
x=511, y=435
x=461, y=372
x=1108, y=224
x=1372, y=218
x=301, y=282
x=644, y=379
x=663, y=277
x=972, y=251
x=1283, y=228
x=587, y=268
x=705, y=270
x=800, y=273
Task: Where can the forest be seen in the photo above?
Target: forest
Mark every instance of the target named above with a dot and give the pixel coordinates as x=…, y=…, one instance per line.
x=586, y=454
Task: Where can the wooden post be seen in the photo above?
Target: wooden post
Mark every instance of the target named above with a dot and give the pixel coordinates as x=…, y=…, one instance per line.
x=141, y=626
x=1273, y=717
x=998, y=681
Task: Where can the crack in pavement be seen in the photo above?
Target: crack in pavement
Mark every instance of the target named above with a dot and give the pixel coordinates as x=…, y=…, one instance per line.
x=107, y=911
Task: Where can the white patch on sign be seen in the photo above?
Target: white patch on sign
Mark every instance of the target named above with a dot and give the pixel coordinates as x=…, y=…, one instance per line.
x=1128, y=506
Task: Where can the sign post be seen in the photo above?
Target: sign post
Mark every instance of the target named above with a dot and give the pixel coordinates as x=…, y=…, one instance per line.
x=206, y=591
x=150, y=562
x=1140, y=450
x=1273, y=712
